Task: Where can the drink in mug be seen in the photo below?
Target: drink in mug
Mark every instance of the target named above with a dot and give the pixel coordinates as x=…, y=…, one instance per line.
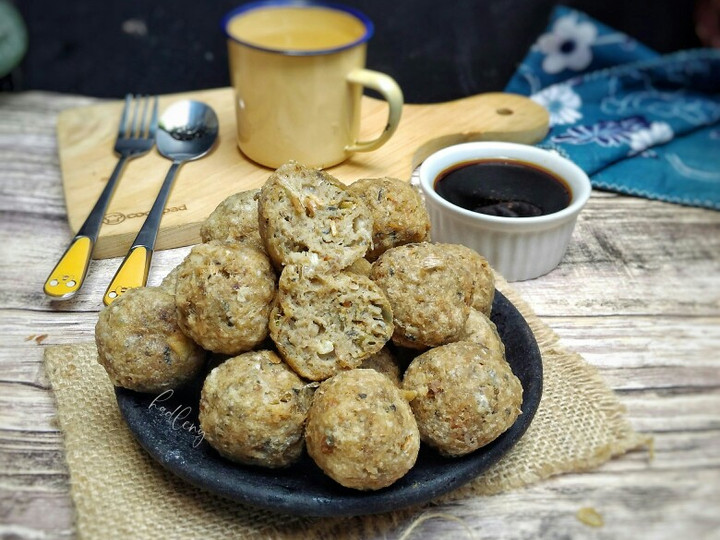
x=298, y=72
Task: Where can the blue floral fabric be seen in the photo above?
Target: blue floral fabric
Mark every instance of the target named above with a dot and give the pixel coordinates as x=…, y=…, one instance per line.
x=636, y=121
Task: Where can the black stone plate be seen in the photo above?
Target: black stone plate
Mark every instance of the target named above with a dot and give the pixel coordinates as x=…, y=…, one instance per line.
x=166, y=426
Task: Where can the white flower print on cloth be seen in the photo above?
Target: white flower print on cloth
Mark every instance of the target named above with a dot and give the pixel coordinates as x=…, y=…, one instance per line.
x=656, y=133
x=567, y=45
x=561, y=102
x=642, y=123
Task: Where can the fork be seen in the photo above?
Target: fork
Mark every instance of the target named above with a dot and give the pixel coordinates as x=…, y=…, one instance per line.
x=136, y=137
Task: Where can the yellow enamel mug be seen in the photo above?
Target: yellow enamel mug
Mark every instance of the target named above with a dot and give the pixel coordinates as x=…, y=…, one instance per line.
x=297, y=69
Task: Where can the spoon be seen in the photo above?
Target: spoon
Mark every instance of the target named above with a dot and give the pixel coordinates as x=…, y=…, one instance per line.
x=187, y=131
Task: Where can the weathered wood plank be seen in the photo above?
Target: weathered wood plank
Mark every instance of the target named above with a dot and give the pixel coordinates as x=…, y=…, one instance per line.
x=36, y=514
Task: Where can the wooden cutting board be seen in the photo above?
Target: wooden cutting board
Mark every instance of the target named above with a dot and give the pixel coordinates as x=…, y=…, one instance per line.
x=86, y=137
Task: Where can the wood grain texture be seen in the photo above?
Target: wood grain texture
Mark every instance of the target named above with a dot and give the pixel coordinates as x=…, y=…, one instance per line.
x=638, y=295
x=86, y=136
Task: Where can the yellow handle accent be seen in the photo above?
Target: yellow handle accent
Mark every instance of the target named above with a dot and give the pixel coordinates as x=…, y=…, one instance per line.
x=69, y=273
x=388, y=89
x=133, y=272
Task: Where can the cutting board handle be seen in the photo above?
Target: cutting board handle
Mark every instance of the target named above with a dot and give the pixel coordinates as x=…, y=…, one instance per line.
x=494, y=116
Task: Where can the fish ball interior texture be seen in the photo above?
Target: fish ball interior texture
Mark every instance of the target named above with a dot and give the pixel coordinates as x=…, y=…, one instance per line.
x=361, y=431
x=324, y=323
x=308, y=217
x=333, y=323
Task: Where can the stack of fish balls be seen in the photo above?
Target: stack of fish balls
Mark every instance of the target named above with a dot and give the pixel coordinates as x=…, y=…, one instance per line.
x=312, y=290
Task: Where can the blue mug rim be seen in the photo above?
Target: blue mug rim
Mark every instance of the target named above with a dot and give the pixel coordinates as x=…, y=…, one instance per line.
x=251, y=6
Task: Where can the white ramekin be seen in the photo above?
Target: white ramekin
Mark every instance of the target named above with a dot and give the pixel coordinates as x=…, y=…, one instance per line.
x=519, y=248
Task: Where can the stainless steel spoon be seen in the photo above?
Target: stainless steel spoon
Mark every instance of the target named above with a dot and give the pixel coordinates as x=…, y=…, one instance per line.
x=187, y=130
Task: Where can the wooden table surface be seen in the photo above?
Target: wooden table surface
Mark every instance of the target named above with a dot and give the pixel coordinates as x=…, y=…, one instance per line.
x=638, y=295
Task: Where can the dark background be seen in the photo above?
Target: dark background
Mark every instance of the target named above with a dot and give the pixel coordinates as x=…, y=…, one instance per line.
x=436, y=49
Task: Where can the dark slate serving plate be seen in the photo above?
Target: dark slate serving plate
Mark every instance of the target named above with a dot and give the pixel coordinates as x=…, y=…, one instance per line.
x=166, y=425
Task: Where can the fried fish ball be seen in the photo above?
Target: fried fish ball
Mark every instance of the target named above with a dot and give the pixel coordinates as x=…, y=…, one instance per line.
x=361, y=266
x=140, y=343
x=483, y=287
x=253, y=409
x=308, y=217
x=480, y=329
x=428, y=291
x=324, y=323
x=466, y=396
x=361, y=431
x=235, y=220
x=224, y=294
x=170, y=280
x=399, y=215
x=384, y=362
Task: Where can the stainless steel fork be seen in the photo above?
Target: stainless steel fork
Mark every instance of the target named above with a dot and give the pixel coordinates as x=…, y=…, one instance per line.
x=136, y=136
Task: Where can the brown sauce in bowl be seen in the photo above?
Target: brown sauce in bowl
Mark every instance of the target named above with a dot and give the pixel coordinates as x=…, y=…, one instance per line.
x=503, y=187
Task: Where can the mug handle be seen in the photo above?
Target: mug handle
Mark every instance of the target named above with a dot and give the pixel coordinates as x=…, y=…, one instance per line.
x=388, y=89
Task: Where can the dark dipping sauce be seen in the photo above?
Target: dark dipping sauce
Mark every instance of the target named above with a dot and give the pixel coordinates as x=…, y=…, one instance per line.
x=503, y=187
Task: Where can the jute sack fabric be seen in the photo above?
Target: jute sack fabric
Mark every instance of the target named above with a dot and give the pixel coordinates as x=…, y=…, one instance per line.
x=120, y=492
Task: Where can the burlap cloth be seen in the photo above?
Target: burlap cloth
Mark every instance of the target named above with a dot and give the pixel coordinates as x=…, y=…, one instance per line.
x=120, y=492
